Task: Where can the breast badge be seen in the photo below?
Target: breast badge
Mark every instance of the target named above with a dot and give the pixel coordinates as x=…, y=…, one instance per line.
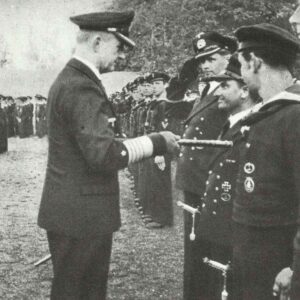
x=225, y=197
x=226, y=187
x=249, y=168
x=249, y=184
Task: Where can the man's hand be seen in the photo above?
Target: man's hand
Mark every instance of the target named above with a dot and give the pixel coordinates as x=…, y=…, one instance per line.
x=282, y=285
x=160, y=162
x=171, y=141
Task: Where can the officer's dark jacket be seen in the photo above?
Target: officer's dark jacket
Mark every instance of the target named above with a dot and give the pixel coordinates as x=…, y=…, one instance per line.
x=204, y=122
x=216, y=211
x=81, y=192
x=268, y=181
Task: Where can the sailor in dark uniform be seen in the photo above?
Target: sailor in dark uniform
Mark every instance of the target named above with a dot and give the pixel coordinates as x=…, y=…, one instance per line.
x=21, y=116
x=40, y=116
x=11, y=116
x=29, y=116
x=158, y=202
x=214, y=230
x=205, y=121
x=267, y=188
x=3, y=127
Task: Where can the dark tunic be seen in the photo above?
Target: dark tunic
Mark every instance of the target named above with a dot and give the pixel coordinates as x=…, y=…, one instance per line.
x=3, y=131
x=158, y=196
x=41, y=122
x=204, y=122
x=267, y=195
x=214, y=226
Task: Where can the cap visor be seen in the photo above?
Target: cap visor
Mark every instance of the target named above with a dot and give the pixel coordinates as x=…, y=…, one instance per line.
x=125, y=39
x=207, y=53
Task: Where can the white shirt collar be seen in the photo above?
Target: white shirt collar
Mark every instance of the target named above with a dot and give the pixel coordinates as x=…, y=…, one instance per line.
x=233, y=119
x=89, y=65
x=213, y=86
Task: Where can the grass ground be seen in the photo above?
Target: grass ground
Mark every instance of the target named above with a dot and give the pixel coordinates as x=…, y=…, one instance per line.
x=145, y=264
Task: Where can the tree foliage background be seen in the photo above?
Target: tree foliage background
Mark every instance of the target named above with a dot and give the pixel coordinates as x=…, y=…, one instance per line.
x=164, y=29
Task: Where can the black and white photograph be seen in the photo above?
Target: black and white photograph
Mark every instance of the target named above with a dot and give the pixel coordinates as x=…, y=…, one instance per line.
x=150, y=150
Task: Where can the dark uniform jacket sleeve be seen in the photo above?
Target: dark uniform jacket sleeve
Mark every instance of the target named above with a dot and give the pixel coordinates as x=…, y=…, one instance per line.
x=87, y=114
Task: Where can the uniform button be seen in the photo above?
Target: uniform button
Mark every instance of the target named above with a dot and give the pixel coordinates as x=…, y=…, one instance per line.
x=221, y=164
x=214, y=213
x=193, y=148
x=210, y=172
x=205, y=194
x=203, y=205
x=215, y=200
x=202, y=119
x=216, y=188
x=218, y=176
x=197, y=128
x=181, y=154
x=184, y=135
x=248, y=145
x=207, y=182
x=195, y=138
x=186, y=126
x=200, y=132
x=191, y=158
x=123, y=153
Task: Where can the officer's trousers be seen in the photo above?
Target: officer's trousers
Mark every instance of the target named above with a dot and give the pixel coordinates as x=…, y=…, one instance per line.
x=80, y=266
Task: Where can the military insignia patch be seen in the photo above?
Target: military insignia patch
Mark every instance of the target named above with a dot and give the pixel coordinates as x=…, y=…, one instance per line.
x=249, y=168
x=225, y=197
x=249, y=184
x=164, y=124
x=201, y=44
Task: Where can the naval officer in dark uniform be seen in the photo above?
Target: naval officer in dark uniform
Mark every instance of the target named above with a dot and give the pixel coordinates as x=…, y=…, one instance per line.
x=267, y=187
x=80, y=201
x=214, y=230
x=204, y=122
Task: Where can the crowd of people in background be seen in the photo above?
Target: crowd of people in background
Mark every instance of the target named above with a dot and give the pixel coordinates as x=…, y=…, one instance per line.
x=22, y=116
x=143, y=107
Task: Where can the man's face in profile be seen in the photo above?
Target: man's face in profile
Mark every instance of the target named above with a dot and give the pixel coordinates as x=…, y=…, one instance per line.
x=295, y=20
x=112, y=52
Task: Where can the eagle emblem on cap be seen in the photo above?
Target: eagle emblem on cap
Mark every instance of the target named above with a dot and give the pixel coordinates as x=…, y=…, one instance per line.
x=201, y=44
